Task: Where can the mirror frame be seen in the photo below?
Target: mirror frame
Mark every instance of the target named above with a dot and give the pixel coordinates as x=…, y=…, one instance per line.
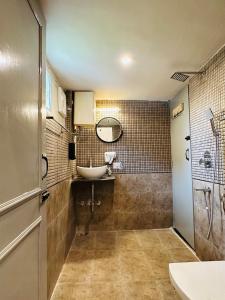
x=121, y=130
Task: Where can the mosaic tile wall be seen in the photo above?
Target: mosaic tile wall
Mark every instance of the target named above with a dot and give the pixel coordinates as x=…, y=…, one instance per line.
x=208, y=91
x=145, y=144
x=60, y=205
x=57, y=139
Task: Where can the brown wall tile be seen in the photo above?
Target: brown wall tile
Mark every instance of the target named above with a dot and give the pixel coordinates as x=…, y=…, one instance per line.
x=131, y=202
x=60, y=229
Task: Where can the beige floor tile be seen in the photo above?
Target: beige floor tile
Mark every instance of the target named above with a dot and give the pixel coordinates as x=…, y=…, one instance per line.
x=157, y=253
x=181, y=255
x=123, y=265
x=169, y=240
x=63, y=292
x=81, y=291
x=160, y=269
x=147, y=238
x=106, y=291
x=142, y=290
x=76, y=274
x=80, y=256
x=127, y=240
x=106, y=240
x=86, y=242
x=78, y=267
x=167, y=291
x=106, y=266
x=134, y=266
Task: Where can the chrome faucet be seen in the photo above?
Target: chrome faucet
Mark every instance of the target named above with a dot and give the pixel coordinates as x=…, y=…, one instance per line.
x=90, y=162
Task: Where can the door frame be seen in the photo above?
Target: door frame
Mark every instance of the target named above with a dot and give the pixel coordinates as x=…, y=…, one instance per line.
x=187, y=234
x=38, y=14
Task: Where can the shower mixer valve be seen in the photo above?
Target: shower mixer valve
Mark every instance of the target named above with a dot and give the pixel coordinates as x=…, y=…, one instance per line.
x=206, y=160
x=89, y=203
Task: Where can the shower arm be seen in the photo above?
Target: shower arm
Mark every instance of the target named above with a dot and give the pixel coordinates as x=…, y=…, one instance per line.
x=191, y=72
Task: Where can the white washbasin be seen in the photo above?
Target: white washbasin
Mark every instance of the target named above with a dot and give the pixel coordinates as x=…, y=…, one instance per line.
x=91, y=172
x=199, y=280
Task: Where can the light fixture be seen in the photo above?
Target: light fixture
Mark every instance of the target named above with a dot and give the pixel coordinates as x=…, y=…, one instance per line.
x=126, y=60
x=108, y=109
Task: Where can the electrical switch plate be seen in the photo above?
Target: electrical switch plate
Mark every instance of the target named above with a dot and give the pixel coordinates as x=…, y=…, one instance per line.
x=117, y=165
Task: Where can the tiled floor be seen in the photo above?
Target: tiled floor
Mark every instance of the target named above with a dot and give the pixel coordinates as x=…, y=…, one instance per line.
x=121, y=265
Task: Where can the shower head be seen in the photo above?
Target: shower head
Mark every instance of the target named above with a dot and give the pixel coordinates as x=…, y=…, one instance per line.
x=179, y=76
x=210, y=117
x=209, y=114
x=183, y=76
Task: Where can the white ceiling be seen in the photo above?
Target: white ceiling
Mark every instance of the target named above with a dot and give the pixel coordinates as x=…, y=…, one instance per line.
x=86, y=38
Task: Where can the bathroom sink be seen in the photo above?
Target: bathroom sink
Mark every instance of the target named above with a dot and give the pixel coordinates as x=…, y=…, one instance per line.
x=91, y=172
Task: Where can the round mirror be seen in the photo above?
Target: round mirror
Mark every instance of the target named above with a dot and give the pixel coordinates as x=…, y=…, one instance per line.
x=109, y=130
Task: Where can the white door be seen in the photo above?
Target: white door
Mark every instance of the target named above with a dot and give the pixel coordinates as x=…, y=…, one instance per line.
x=20, y=153
x=183, y=220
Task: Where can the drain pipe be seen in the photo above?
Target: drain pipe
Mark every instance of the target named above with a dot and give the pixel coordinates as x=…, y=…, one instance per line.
x=92, y=208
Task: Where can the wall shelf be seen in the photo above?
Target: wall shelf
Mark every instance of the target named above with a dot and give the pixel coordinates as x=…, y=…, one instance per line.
x=52, y=118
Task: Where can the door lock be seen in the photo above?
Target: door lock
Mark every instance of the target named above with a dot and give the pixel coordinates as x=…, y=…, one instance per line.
x=44, y=196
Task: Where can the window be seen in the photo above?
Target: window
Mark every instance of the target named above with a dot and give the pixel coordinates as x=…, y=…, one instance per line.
x=48, y=93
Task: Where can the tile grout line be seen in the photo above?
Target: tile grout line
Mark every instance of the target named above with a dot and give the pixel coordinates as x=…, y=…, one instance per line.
x=121, y=270
x=185, y=244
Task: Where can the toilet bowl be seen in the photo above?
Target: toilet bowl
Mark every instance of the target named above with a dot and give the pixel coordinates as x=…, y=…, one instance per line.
x=199, y=280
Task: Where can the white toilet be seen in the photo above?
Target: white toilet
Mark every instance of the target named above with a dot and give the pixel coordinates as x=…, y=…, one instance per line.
x=199, y=280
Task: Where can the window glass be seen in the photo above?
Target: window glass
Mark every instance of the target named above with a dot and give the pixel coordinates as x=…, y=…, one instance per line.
x=48, y=92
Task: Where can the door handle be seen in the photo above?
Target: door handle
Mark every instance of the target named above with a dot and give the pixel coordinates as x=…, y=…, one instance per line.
x=187, y=154
x=44, y=157
x=44, y=196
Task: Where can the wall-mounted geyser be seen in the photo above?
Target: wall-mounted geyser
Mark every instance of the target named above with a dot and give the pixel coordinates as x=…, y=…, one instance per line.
x=183, y=76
